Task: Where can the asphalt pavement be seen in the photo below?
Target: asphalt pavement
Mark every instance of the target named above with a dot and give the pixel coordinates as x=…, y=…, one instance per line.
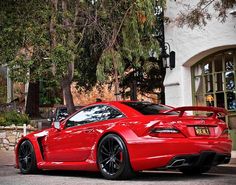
x=221, y=175
x=7, y=158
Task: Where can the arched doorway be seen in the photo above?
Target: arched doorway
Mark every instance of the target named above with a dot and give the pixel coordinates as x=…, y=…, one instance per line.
x=214, y=84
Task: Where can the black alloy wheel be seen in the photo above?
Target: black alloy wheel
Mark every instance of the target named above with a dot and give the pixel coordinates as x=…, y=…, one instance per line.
x=113, y=159
x=26, y=158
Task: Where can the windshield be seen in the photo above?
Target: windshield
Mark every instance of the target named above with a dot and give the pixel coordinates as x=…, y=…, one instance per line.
x=148, y=108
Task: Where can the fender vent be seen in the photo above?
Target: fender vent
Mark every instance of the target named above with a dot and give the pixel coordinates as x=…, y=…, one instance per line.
x=41, y=146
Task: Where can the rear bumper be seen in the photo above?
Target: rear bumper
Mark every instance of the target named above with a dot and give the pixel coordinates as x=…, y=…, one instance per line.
x=205, y=158
x=152, y=153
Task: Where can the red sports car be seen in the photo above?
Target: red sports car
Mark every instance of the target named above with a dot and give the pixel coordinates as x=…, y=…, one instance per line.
x=119, y=138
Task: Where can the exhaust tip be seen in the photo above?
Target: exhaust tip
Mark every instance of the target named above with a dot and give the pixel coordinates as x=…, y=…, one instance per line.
x=177, y=163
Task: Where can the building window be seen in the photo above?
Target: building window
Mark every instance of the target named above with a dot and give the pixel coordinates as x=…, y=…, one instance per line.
x=214, y=81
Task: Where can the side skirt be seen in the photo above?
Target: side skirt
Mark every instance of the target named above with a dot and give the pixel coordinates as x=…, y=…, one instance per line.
x=83, y=166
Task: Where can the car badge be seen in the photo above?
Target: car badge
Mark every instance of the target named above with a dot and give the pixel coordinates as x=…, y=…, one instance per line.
x=203, y=121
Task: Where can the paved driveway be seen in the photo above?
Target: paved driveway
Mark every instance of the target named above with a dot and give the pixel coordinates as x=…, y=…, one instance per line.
x=222, y=175
x=11, y=176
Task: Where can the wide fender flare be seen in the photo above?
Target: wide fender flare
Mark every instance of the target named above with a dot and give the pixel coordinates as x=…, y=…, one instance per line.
x=127, y=135
x=34, y=141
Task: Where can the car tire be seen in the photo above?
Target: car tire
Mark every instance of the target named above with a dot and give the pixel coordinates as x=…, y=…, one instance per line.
x=195, y=170
x=27, y=158
x=113, y=159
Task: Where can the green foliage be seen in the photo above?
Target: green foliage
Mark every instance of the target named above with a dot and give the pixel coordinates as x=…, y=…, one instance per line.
x=60, y=57
x=49, y=100
x=109, y=61
x=200, y=13
x=9, y=118
x=137, y=34
x=125, y=29
x=110, y=35
x=20, y=69
x=24, y=37
x=3, y=90
x=49, y=92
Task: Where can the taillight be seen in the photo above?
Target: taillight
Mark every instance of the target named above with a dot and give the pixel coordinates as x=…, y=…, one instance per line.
x=225, y=133
x=166, y=132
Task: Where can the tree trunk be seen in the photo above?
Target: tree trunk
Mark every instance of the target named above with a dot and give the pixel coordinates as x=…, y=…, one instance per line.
x=117, y=91
x=66, y=88
x=32, y=104
x=67, y=79
x=117, y=86
x=67, y=24
x=133, y=90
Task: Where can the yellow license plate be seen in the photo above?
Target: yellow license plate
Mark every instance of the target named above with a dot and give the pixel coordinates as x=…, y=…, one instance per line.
x=202, y=131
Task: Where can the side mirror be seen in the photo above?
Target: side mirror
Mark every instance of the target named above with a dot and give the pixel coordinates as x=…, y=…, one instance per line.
x=56, y=125
x=51, y=119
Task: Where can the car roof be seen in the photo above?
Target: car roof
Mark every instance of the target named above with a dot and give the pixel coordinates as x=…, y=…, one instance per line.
x=127, y=110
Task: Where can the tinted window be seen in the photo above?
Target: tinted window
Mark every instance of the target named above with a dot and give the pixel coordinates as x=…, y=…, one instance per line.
x=61, y=113
x=93, y=114
x=110, y=113
x=147, y=108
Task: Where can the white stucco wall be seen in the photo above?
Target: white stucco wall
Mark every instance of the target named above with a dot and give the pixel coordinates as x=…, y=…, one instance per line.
x=191, y=46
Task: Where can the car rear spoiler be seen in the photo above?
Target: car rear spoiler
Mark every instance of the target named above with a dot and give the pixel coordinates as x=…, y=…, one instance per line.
x=215, y=110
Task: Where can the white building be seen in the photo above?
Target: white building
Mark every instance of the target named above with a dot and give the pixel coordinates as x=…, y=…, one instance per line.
x=205, y=64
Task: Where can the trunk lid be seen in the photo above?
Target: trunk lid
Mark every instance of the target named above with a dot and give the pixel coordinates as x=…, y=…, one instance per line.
x=192, y=126
x=199, y=126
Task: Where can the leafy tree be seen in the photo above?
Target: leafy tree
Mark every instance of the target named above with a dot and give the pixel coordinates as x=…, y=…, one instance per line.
x=121, y=42
x=24, y=41
x=125, y=32
x=199, y=14
x=38, y=39
x=50, y=38
x=76, y=39
x=63, y=34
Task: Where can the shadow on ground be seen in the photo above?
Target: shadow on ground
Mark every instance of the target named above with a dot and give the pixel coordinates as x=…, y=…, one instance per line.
x=215, y=173
x=141, y=176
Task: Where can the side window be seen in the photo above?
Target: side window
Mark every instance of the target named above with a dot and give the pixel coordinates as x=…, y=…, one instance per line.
x=87, y=115
x=111, y=113
x=93, y=114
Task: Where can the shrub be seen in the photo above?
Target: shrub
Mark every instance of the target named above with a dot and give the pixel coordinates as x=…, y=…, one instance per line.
x=13, y=117
x=2, y=120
